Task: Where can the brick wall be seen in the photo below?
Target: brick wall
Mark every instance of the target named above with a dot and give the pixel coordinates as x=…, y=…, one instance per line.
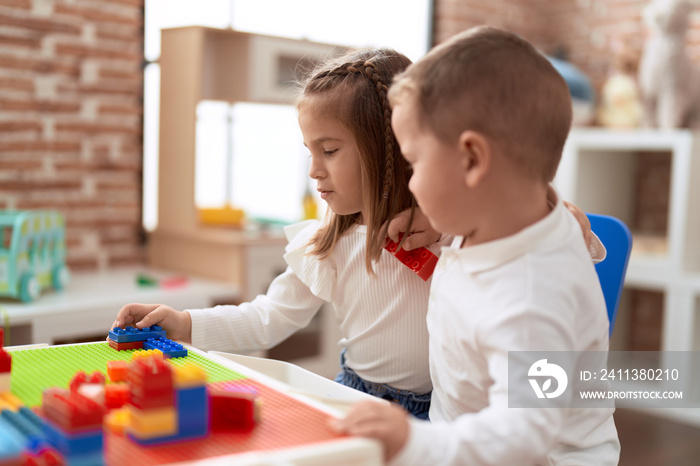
x=71, y=119
x=585, y=28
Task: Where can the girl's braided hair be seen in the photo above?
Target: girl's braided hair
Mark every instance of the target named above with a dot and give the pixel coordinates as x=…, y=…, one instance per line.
x=354, y=91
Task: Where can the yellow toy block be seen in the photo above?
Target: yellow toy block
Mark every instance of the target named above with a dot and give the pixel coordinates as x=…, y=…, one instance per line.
x=147, y=354
x=224, y=216
x=117, y=420
x=151, y=423
x=188, y=376
x=9, y=401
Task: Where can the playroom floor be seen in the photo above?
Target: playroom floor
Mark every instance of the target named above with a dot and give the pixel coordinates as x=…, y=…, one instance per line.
x=654, y=441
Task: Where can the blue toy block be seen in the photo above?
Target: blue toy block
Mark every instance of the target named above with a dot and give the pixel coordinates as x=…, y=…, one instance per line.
x=128, y=334
x=24, y=421
x=192, y=411
x=163, y=440
x=11, y=441
x=73, y=444
x=192, y=417
x=86, y=459
x=169, y=348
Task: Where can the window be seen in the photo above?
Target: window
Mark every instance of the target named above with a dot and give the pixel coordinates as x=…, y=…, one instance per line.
x=245, y=166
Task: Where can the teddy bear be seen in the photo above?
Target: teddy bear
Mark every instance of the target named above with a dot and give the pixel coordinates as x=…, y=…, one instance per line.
x=669, y=82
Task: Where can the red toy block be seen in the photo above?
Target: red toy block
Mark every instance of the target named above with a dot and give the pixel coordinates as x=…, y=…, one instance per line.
x=127, y=345
x=174, y=282
x=151, y=400
x=116, y=395
x=5, y=362
x=117, y=371
x=46, y=457
x=81, y=377
x=5, y=358
x=231, y=410
x=150, y=383
x=420, y=260
x=70, y=410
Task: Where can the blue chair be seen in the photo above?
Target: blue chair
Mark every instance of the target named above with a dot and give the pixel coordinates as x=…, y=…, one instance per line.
x=617, y=239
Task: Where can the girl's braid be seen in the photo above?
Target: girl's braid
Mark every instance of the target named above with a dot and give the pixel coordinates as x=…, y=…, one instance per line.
x=368, y=70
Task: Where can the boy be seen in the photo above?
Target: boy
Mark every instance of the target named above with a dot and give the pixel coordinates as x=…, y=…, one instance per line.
x=483, y=119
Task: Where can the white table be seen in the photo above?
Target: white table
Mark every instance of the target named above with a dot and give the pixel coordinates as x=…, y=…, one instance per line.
x=89, y=305
x=298, y=383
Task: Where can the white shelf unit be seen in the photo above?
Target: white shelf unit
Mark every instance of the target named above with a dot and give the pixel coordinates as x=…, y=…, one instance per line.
x=598, y=173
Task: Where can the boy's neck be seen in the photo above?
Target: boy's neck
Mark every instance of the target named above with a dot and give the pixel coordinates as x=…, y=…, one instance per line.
x=516, y=205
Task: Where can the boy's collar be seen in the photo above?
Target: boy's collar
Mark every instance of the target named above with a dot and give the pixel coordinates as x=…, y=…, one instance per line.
x=492, y=254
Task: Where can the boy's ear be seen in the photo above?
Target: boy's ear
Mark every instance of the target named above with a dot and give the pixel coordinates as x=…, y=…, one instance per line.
x=475, y=152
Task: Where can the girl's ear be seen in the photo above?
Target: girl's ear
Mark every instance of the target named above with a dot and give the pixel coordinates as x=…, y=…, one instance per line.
x=475, y=152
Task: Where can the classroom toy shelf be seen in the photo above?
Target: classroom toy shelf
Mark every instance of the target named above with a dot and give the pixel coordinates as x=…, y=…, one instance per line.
x=287, y=420
x=599, y=173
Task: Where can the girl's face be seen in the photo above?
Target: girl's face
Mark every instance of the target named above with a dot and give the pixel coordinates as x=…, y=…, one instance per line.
x=335, y=161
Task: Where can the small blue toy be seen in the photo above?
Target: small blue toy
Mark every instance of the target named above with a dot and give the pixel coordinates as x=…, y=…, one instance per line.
x=169, y=348
x=130, y=334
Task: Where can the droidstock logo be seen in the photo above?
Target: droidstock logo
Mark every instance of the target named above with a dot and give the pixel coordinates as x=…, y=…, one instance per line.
x=545, y=372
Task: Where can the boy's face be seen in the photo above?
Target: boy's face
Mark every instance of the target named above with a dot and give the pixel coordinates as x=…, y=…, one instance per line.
x=335, y=161
x=437, y=181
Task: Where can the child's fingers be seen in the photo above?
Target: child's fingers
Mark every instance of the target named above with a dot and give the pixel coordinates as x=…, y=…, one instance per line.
x=387, y=423
x=130, y=314
x=398, y=225
x=154, y=317
x=583, y=221
x=418, y=240
x=361, y=413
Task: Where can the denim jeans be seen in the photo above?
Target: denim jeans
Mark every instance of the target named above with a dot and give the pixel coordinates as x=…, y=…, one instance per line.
x=417, y=405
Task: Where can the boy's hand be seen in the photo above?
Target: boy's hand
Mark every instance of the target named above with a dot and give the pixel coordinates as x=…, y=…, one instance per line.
x=177, y=325
x=385, y=422
x=421, y=234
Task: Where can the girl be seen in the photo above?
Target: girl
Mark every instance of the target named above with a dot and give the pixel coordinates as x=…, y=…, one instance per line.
x=379, y=303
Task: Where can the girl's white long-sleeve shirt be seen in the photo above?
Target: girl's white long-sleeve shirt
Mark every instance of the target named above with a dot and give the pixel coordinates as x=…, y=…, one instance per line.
x=381, y=316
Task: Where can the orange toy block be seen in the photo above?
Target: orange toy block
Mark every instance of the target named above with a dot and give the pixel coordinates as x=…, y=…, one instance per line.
x=117, y=370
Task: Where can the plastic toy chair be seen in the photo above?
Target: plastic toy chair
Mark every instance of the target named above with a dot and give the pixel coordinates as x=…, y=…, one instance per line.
x=617, y=239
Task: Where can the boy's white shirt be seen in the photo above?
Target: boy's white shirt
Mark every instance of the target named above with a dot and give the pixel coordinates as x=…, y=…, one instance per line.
x=535, y=290
x=381, y=317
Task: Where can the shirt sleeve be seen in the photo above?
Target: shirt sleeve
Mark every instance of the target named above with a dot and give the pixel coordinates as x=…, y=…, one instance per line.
x=288, y=306
x=292, y=300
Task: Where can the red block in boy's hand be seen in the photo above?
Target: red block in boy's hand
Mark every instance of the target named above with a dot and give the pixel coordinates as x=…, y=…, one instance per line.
x=420, y=260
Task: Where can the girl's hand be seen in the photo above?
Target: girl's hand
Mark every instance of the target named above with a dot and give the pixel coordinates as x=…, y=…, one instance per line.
x=177, y=325
x=421, y=234
x=385, y=422
x=582, y=219
x=595, y=248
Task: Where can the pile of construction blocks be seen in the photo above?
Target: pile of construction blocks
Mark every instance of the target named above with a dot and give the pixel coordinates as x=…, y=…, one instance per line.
x=148, y=399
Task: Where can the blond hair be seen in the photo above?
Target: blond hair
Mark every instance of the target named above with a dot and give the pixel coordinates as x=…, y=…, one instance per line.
x=353, y=90
x=493, y=82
